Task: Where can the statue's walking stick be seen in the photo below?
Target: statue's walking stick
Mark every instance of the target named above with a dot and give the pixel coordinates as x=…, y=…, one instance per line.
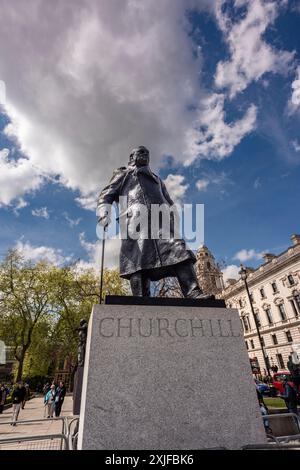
x=102, y=262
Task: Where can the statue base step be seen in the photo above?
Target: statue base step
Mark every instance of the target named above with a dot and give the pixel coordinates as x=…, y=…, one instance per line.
x=164, y=301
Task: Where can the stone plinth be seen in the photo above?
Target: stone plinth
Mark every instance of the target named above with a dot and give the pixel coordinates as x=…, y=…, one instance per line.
x=161, y=377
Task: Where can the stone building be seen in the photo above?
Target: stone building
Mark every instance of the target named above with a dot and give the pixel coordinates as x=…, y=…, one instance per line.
x=208, y=272
x=7, y=364
x=275, y=292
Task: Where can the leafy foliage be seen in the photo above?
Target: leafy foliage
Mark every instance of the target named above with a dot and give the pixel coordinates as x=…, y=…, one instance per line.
x=40, y=308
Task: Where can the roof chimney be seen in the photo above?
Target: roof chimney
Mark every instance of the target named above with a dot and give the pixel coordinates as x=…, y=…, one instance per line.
x=295, y=238
x=268, y=257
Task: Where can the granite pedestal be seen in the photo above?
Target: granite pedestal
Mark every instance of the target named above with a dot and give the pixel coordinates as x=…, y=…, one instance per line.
x=167, y=377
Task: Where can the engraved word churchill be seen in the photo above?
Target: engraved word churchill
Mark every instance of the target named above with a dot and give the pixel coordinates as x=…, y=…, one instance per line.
x=162, y=327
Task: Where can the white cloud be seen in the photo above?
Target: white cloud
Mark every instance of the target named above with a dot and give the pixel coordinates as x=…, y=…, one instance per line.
x=231, y=272
x=250, y=55
x=2, y=92
x=294, y=101
x=94, y=252
x=16, y=178
x=296, y=145
x=246, y=255
x=19, y=205
x=257, y=183
x=72, y=222
x=202, y=184
x=4, y=153
x=88, y=201
x=176, y=187
x=106, y=77
x=211, y=137
x=213, y=178
x=42, y=212
x=36, y=253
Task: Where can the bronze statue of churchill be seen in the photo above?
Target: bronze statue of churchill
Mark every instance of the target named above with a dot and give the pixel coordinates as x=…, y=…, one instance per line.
x=147, y=259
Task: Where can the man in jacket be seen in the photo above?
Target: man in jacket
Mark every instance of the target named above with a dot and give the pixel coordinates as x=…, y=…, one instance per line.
x=290, y=396
x=144, y=257
x=17, y=399
x=59, y=398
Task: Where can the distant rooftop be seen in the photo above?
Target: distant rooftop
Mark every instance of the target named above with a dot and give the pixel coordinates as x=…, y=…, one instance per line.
x=270, y=261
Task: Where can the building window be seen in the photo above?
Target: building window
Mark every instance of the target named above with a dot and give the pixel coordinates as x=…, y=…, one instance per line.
x=262, y=293
x=245, y=324
x=291, y=280
x=280, y=361
x=262, y=341
x=241, y=303
x=274, y=339
x=256, y=315
x=274, y=287
x=289, y=336
x=251, y=297
x=297, y=300
x=249, y=324
x=269, y=316
x=252, y=343
x=246, y=342
x=282, y=311
x=294, y=308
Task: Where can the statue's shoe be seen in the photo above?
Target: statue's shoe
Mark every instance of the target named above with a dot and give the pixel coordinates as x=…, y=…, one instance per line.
x=207, y=296
x=197, y=295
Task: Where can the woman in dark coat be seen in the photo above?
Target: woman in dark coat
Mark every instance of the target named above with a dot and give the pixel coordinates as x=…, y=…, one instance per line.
x=146, y=253
x=59, y=398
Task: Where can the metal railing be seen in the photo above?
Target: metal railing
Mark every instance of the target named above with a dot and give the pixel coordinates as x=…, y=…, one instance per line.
x=39, y=442
x=65, y=439
x=294, y=421
x=272, y=446
x=42, y=420
x=72, y=432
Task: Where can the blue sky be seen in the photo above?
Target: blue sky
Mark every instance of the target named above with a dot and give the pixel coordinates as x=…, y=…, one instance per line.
x=212, y=91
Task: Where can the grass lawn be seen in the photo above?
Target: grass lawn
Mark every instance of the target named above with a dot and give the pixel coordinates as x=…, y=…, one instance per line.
x=274, y=402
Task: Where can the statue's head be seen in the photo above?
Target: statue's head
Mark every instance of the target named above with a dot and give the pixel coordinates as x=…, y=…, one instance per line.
x=139, y=156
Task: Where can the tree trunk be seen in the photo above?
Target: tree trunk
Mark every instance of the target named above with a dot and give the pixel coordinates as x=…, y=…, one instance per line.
x=21, y=359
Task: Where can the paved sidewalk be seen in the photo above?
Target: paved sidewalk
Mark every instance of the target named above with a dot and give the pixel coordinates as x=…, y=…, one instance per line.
x=34, y=409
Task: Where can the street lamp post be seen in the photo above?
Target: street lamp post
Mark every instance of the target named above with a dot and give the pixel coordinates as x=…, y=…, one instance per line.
x=244, y=275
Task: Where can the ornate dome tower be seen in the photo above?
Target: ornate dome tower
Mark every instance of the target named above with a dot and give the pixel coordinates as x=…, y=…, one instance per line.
x=208, y=272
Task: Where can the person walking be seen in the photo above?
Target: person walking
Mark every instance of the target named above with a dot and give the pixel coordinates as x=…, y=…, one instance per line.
x=290, y=396
x=25, y=390
x=49, y=401
x=3, y=394
x=17, y=399
x=59, y=398
x=46, y=388
x=264, y=411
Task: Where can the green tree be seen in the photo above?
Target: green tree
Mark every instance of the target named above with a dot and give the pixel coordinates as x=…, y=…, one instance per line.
x=75, y=294
x=25, y=299
x=41, y=306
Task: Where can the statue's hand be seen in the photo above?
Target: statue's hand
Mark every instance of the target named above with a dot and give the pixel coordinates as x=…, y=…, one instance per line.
x=103, y=213
x=104, y=221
